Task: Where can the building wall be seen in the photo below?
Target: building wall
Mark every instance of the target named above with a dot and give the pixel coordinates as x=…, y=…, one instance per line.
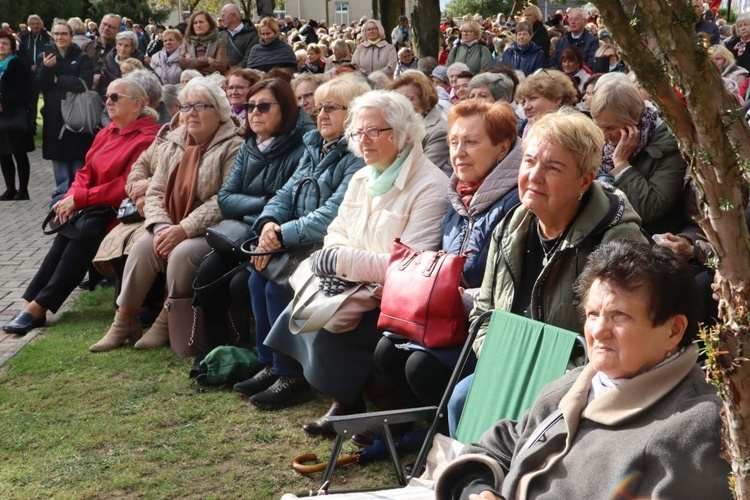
x=343, y=11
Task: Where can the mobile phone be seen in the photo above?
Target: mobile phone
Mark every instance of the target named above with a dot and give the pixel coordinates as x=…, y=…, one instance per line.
x=49, y=48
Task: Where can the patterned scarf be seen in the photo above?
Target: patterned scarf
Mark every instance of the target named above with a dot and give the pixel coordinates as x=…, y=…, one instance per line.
x=466, y=191
x=646, y=126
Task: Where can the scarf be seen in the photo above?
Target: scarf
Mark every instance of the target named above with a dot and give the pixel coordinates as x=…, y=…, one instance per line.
x=4, y=64
x=180, y=190
x=203, y=40
x=602, y=384
x=240, y=113
x=466, y=192
x=646, y=126
x=739, y=47
x=382, y=182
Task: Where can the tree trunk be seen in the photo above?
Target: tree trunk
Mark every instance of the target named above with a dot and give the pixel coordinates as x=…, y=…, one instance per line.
x=426, y=28
x=659, y=43
x=389, y=12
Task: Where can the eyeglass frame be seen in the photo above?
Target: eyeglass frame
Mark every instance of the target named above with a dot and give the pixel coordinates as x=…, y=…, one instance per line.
x=357, y=135
x=115, y=96
x=251, y=106
x=329, y=108
x=186, y=108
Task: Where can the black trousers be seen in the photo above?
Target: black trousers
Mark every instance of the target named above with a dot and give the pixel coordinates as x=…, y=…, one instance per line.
x=61, y=271
x=226, y=305
x=9, y=171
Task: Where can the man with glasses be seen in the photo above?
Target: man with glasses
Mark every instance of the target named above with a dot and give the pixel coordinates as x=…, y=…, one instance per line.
x=577, y=36
x=240, y=35
x=109, y=27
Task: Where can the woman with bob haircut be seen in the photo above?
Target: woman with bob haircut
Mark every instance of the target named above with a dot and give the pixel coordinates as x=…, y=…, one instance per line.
x=640, y=413
x=417, y=87
x=641, y=156
x=724, y=60
x=398, y=194
x=375, y=53
x=126, y=46
x=485, y=153
x=203, y=50
x=341, y=56
x=470, y=49
x=542, y=93
x=571, y=62
x=491, y=87
x=271, y=52
x=270, y=155
x=166, y=62
x=539, y=248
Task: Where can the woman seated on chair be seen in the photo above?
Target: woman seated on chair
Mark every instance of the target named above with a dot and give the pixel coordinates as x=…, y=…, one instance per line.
x=181, y=202
x=640, y=413
x=540, y=247
x=399, y=194
x=485, y=153
x=101, y=181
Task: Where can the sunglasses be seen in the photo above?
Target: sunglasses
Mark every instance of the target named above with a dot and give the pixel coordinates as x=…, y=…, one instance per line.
x=263, y=107
x=115, y=97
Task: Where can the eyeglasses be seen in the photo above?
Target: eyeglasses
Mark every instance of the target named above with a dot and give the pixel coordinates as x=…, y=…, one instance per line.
x=198, y=106
x=263, y=107
x=115, y=97
x=328, y=108
x=237, y=87
x=371, y=133
x=60, y=34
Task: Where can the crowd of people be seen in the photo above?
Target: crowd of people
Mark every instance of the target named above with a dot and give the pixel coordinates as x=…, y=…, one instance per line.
x=524, y=145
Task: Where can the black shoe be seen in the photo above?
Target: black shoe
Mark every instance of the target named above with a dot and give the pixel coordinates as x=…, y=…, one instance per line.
x=23, y=323
x=22, y=194
x=9, y=194
x=364, y=439
x=258, y=383
x=321, y=427
x=285, y=392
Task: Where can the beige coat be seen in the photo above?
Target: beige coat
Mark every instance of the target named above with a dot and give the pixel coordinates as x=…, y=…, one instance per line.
x=215, y=165
x=413, y=210
x=375, y=56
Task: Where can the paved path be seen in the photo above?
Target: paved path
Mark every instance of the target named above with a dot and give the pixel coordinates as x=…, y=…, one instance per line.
x=22, y=248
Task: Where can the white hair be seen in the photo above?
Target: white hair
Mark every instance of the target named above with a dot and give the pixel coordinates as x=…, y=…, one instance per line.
x=457, y=68
x=209, y=90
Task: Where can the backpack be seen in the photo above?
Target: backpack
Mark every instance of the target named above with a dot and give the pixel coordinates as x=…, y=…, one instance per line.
x=81, y=111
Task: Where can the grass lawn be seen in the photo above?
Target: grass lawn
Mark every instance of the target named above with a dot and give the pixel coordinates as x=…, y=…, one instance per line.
x=131, y=424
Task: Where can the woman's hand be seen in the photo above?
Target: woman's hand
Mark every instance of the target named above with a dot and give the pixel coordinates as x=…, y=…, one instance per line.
x=140, y=204
x=269, y=236
x=679, y=246
x=49, y=60
x=485, y=495
x=138, y=189
x=65, y=208
x=259, y=262
x=167, y=239
x=629, y=137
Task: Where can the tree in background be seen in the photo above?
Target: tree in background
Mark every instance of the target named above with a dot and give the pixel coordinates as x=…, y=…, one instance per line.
x=658, y=41
x=14, y=12
x=487, y=8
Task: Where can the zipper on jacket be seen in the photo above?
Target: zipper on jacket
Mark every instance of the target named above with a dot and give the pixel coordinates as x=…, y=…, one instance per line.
x=467, y=236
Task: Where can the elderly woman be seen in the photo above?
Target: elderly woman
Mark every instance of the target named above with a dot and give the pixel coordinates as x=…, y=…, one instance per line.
x=737, y=44
x=416, y=87
x=270, y=155
x=406, y=61
x=166, y=62
x=641, y=156
x=304, y=86
x=66, y=68
x=126, y=46
x=341, y=56
x=100, y=182
x=181, y=202
x=470, y=50
x=491, y=87
x=571, y=62
x=239, y=83
x=203, y=50
x=399, y=194
x=724, y=60
x=523, y=54
x=640, y=414
x=485, y=153
x=375, y=53
x=272, y=51
x=542, y=93
x=540, y=247
x=299, y=215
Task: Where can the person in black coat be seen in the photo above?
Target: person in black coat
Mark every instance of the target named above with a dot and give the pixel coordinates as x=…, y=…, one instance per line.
x=540, y=35
x=15, y=92
x=63, y=68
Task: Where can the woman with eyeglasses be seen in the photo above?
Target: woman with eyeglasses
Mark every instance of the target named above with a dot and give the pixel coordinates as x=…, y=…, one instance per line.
x=239, y=83
x=100, y=182
x=271, y=153
x=63, y=68
x=375, y=53
x=166, y=62
x=299, y=215
x=399, y=194
x=181, y=203
x=470, y=49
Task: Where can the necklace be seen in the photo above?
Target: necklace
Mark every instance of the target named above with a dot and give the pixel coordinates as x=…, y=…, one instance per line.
x=548, y=245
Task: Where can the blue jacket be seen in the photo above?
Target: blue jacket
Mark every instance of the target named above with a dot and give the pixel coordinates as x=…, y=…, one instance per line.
x=528, y=58
x=587, y=42
x=471, y=230
x=306, y=221
x=256, y=176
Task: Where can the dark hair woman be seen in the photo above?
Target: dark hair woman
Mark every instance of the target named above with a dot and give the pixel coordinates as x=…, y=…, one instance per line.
x=15, y=92
x=204, y=50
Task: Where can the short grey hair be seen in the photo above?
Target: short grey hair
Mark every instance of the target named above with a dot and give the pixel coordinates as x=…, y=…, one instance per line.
x=169, y=94
x=150, y=82
x=209, y=90
x=742, y=18
x=457, y=68
x=615, y=92
x=34, y=17
x=130, y=36
x=501, y=87
x=192, y=73
x=408, y=127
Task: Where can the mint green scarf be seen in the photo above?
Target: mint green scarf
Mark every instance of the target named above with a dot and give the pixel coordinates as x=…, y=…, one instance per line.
x=382, y=182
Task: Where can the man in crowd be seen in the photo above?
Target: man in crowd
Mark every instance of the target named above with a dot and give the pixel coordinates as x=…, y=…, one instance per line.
x=33, y=42
x=109, y=27
x=577, y=36
x=400, y=34
x=704, y=25
x=265, y=8
x=288, y=25
x=239, y=34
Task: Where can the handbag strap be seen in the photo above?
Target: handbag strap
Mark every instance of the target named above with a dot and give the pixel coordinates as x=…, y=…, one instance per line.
x=221, y=278
x=247, y=249
x=47, y=220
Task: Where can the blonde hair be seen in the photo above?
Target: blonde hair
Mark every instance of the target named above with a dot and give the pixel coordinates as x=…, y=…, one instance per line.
x=615, y=92
x=552, y=84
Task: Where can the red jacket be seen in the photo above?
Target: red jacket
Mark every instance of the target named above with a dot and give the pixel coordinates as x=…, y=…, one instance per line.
x=101, y=181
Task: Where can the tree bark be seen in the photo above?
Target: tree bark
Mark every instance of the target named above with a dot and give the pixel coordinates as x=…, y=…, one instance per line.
x=658, y=41
x=426, y=28
x=389, y=12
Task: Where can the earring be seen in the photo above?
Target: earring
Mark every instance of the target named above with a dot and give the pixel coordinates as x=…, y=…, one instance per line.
x=580, y=196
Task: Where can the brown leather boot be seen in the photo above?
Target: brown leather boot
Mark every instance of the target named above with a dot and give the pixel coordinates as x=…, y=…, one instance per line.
x=124, y=327
x=158, y=334
x=322, y=428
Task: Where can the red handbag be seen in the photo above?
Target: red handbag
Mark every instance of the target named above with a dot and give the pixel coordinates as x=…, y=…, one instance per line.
x=421, y=300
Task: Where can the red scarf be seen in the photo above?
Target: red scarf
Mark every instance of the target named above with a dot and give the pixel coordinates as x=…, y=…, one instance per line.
x=466, y=192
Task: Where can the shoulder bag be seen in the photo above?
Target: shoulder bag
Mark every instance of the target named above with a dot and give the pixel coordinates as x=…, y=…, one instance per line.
x=88, y=223
x=421, y=300
x=14, y=120
x=81, y=111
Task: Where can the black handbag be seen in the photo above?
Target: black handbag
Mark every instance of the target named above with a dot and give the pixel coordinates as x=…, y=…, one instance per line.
x=227, y=237
x=14, y=120
x=283, y=261
x=128, y=212
x=88, y=223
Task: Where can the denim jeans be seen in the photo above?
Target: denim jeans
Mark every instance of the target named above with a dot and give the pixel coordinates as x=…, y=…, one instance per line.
x=65, y=173
x=457, y=402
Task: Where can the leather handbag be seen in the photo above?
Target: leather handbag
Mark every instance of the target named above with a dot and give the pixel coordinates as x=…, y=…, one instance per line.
x=185, y=327
x=88, y=223
x=128, y=212
x=14, y=120
x=421, y=300
x=283, y=263
x=227, y=237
